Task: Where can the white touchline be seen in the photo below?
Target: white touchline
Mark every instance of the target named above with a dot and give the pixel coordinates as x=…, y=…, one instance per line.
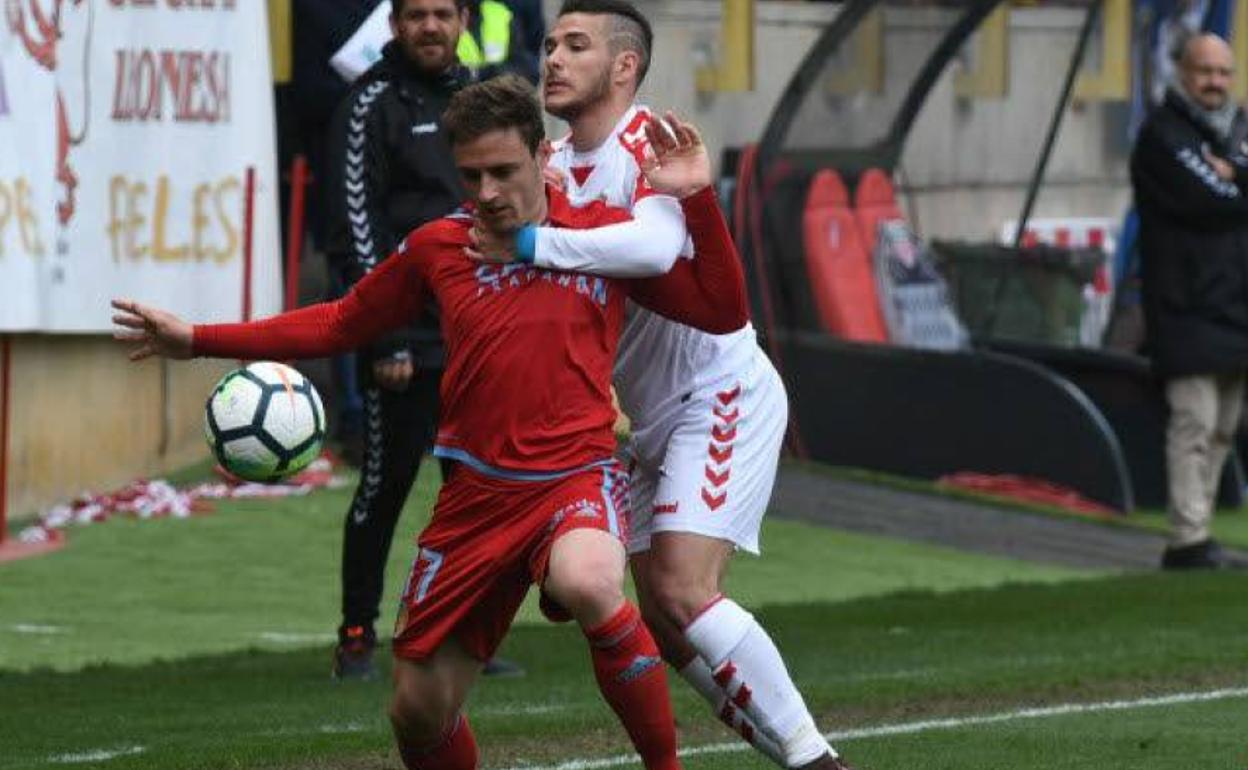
x=32, y=628
x=350, y=727
x=512, y=709
x=325, y=729
x=99, y=755
x=283, y=637
x=907, y=728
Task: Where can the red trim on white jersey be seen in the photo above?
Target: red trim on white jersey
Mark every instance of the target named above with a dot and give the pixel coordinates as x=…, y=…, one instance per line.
x=633, y=139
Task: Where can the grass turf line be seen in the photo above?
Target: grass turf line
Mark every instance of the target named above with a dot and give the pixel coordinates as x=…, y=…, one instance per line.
x=864, y=662
x=1074, y=752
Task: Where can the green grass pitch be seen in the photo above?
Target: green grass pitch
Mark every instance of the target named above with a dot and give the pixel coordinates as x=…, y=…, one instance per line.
x=204, y=643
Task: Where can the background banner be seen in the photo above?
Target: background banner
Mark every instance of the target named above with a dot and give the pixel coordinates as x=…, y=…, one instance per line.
x=126, y=128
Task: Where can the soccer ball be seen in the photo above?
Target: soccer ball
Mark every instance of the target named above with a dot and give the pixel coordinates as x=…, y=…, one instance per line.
x=264, y=422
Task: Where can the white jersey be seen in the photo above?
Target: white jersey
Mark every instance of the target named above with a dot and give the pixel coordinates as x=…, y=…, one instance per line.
x=660, y=362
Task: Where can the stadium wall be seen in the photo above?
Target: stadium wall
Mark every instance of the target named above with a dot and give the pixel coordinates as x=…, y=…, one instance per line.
x=82, y=417
x=687, y=37
x=968, y=162
x=966, y=167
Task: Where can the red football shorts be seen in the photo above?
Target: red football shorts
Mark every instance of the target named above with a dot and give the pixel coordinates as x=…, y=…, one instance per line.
x=488, y=541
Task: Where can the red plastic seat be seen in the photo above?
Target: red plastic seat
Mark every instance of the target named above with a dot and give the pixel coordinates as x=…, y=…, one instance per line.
x=838, y=265
x=875, y=201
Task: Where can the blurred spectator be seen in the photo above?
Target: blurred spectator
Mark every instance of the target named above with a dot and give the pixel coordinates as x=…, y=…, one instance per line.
x=321, y=27
x=532, y=20
x=495, y=41
x=1190, y=176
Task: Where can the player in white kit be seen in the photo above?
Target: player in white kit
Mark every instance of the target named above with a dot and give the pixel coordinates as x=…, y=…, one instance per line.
x=708, y=412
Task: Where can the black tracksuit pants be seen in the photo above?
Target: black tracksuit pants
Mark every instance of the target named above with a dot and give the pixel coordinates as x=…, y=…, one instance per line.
x=399, y=428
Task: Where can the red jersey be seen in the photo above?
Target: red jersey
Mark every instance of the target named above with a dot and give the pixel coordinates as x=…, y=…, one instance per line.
x=529, y=351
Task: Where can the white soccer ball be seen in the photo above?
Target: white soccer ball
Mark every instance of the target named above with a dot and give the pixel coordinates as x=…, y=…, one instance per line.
x=264, y=421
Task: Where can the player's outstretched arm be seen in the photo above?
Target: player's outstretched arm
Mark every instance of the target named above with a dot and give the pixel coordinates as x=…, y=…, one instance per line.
x=386, y=298
x=309, y=332
x=151, y=331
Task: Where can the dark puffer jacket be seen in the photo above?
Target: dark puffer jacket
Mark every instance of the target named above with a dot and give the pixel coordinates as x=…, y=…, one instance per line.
x=390, y=171
x=1193, y=241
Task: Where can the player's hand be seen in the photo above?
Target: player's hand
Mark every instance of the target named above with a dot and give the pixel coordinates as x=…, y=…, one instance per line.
x=395, y=372
x=154, y=332
x=678, y=163
x=490, y=246
x=1223, y=168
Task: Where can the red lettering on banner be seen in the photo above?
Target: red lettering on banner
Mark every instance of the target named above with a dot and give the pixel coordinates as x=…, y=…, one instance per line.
x=196, y=84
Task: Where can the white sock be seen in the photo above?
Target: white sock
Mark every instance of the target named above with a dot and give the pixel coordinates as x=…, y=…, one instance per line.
x=746, y=664
x=698, y=675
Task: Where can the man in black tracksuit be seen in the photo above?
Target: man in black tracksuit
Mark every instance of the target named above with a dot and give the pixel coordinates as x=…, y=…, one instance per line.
x=390, y=170
x=1189, y=170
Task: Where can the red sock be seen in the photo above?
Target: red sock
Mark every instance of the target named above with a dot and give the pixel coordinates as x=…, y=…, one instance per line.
x=457, y=751
x=633, y=679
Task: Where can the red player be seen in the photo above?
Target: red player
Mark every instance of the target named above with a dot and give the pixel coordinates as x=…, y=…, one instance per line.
x=535, y=496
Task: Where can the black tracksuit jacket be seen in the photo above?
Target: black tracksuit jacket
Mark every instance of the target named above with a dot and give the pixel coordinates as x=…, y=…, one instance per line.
x=390, y=171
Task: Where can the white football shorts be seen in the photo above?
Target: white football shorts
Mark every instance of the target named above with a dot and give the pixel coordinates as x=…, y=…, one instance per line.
x=710, y=467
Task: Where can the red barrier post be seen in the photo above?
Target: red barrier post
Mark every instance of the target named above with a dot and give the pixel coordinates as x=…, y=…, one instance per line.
x=4, y=437
x=249, y=212
x=294, y=233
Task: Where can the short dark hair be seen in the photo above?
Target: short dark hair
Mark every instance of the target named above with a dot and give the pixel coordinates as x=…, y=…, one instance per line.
x=396, y=7
x=497, y=104
x=630, y=29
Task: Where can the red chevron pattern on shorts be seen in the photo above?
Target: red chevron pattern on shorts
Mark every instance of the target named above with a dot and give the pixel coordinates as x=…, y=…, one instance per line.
x=726, y=413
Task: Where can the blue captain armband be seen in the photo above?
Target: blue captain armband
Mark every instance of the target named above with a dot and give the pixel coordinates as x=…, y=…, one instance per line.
x=526, y=244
